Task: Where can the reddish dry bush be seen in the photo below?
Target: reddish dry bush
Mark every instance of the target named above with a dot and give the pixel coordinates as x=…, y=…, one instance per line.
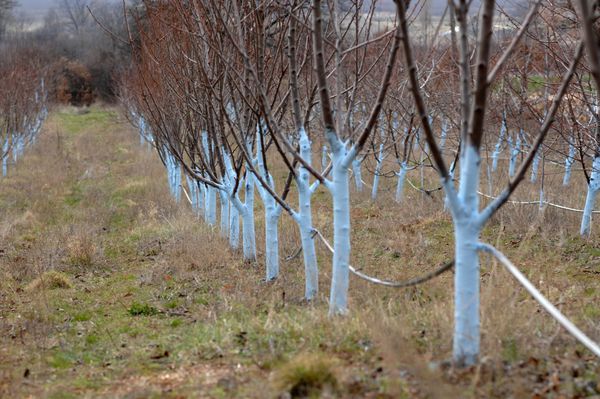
x=72, y=84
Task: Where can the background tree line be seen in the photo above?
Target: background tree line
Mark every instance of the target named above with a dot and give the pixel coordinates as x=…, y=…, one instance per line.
x=80, y=45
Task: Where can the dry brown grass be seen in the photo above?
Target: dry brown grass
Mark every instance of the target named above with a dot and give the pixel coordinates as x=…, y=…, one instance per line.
x=93, y=205
x=49, y=281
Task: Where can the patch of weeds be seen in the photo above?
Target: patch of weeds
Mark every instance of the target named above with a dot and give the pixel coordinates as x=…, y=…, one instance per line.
x=139, y=309
x=92, y=339
x=62, y=395
x=307, y=376
x=28, y=238
x=176, y=323
x=50, y=280
x=218, y=393
x=86, y=383
x=81, y=250
x=118, y=220
x=202, y=299
x=61, y=360
x=75, y=195
x=592, y=311
x=82, y=316
x=510, y=350
x=172, y=304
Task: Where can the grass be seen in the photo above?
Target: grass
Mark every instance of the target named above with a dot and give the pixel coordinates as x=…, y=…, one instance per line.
x=138, y=309
x=75, y=121
x=50, y=280
x=307, y=376
x=156, y=304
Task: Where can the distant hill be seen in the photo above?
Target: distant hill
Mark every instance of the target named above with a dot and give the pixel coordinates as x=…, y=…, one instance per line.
x=436, y=7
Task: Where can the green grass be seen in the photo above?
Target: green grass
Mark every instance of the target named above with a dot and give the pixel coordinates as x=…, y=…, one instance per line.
x=139, y=309
x=76, y=122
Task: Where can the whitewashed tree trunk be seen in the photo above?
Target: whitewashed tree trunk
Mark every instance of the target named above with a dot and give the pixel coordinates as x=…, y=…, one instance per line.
x=467, y=228
x=324, y=157
x=304, y=220
x=5, y=148
x=498, y=147
x=193, y=188
x=377, y=173
x=210, y=203
x=592, y=192
x=200, y=189
x=401, y=179
x=339, y=188
x=451, y=175
x=248, y=231
x=177, y=182
x=224, y=223
x=234, y=228
x=569, y=164
x=357, y=172
x=514, y=154
x=272, y=214
x=535, y=167
x=15, y=148
x=444, y=134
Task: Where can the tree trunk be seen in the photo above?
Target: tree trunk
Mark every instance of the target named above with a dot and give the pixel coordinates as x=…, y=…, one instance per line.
x=593, y=188
x=311, y=268
x=249, y=235
x=224, y=197
x=357, y=171
x=466, y=279
x=272, y=213
x=341, y=235
x=401, y=180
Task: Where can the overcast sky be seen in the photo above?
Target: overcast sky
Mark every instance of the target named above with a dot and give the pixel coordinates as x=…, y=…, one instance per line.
x=36, y=5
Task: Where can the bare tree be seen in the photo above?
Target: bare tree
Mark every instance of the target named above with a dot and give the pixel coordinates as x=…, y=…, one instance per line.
x=6, y=7
x=76, y=13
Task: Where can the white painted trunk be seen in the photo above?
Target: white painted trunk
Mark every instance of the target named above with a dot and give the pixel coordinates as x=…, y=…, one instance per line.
x=451, y=175
x=224, y=225
x=592, y=192
x=498, y=147
x=489, y=180
x=249, y=235
x=210, y=214
x=5, y=158
x=341, y=234
x=466, y=279
x=15, y=149
x=324, y=160
x=401, y=180
x=272, y=213
x=311, y=268
x=234, y=228
x=535, y=167
x=357, y=172
x=193, y=188
x=512, y=167
x=178, y=175
x=569, y=164
x=377, y=173
x=200, y=189
x=466, y=293
x=444, y=134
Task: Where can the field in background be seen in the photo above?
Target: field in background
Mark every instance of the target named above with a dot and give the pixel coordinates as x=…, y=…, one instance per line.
x=109, y=289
